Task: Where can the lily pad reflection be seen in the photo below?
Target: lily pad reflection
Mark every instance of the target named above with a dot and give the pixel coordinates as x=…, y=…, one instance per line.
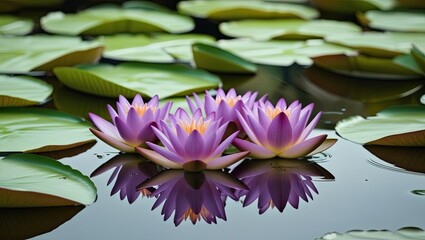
x=276, y=182
x=25, y=223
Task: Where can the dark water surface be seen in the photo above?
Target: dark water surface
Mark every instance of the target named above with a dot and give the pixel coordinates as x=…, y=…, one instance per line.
x=367, y=192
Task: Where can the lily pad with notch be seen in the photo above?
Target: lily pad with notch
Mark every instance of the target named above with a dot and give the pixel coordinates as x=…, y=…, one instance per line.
x=129, y=79
x=228, y=10
x=156, y=48
x=22, y=129
x=289, y=29
x=29, y=180
x=394, y=126
x=112, y=19
x=22, y=54
x=23, y=91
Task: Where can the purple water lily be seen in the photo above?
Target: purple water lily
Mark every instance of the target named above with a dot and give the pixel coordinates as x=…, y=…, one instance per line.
x=193, y=143
x=130, y=170
x=224, y=105
x=276, y=182
x=132, y=123
x=280, y=130
x=193, y=195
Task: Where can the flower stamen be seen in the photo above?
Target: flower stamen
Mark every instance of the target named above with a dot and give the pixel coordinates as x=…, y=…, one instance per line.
x=231, y=101
x=200, y=126
x=273, y=112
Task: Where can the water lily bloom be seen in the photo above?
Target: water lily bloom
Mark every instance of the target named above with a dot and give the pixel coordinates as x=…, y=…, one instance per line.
x=130, y=170
x=193, y=143
x=224, y=105
x=276, y=182
x=131, y=123
x=280, y=130
x=193, y=195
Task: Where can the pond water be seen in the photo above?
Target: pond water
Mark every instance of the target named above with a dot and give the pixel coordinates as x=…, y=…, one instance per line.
x=367, y=192
x=357, y=187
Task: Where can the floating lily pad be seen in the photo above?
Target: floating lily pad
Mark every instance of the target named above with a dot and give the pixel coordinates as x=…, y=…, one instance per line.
x=378, y=44
x=26, y=223
x=29, y=180
x=113, y=19
x=41, y=130
x=11, y=25
x=396, y=126
x=352, y=6
x=42, y=52
x=23, y=91
x=158, y=48
x=281, y=53
x=366, y=67
x=128, y=79
x=394, y=21
x=410, y=233
x=226, y=10
x=216, y=59
x=286, y=28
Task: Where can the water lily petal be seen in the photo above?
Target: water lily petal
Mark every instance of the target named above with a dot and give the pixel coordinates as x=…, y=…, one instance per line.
x=134, y=121
x=310, y=127
x=258, y=129
x=194, y=146
x=146, y=134
x=281, y=104
x=226, y=161
x=279, y=134
x=167, y=153
x=304, y=148
x=126, y=133
x=157, y=158
x=247, y=128
x=210, y=105
x=153, y=103
x=223, y=145
x=255, y=150
x=138, y=100
x=104, y=126
x=112, y=141
x=279, y=188
x=112, y=112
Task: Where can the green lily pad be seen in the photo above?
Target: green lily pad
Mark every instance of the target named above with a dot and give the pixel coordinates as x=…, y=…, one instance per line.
x=281, y=53
x=216, y=59
x=41, y=130
x=410, y=233
x=227, y=10
x=113, y=19
x=26, y=223
x=286, y=28
x=393, y=21
x=128, y=79
x=158, y=48
x=352, y=6
x=396, y=126
x=378, y=44
x=29, y=180
x=11, y=25
x=23, y=91
x=366, y=67
x=43, y=52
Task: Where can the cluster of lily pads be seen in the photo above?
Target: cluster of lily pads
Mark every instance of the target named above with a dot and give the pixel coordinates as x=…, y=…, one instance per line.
x=196, y=140
x=199, y=137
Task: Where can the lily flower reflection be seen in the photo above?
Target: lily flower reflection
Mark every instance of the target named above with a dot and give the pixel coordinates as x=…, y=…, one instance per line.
x=276, y=182
x=131, y=123
x=193, y=195
x=280, y=130
x=130, y=170
x=225, y=105
x=193, y=143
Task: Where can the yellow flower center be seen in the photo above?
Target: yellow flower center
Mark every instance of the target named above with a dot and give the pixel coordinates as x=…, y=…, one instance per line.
x=141, y=110
x=273, y=112
x=204, y=213
x=231, y=101
x=201, y=126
